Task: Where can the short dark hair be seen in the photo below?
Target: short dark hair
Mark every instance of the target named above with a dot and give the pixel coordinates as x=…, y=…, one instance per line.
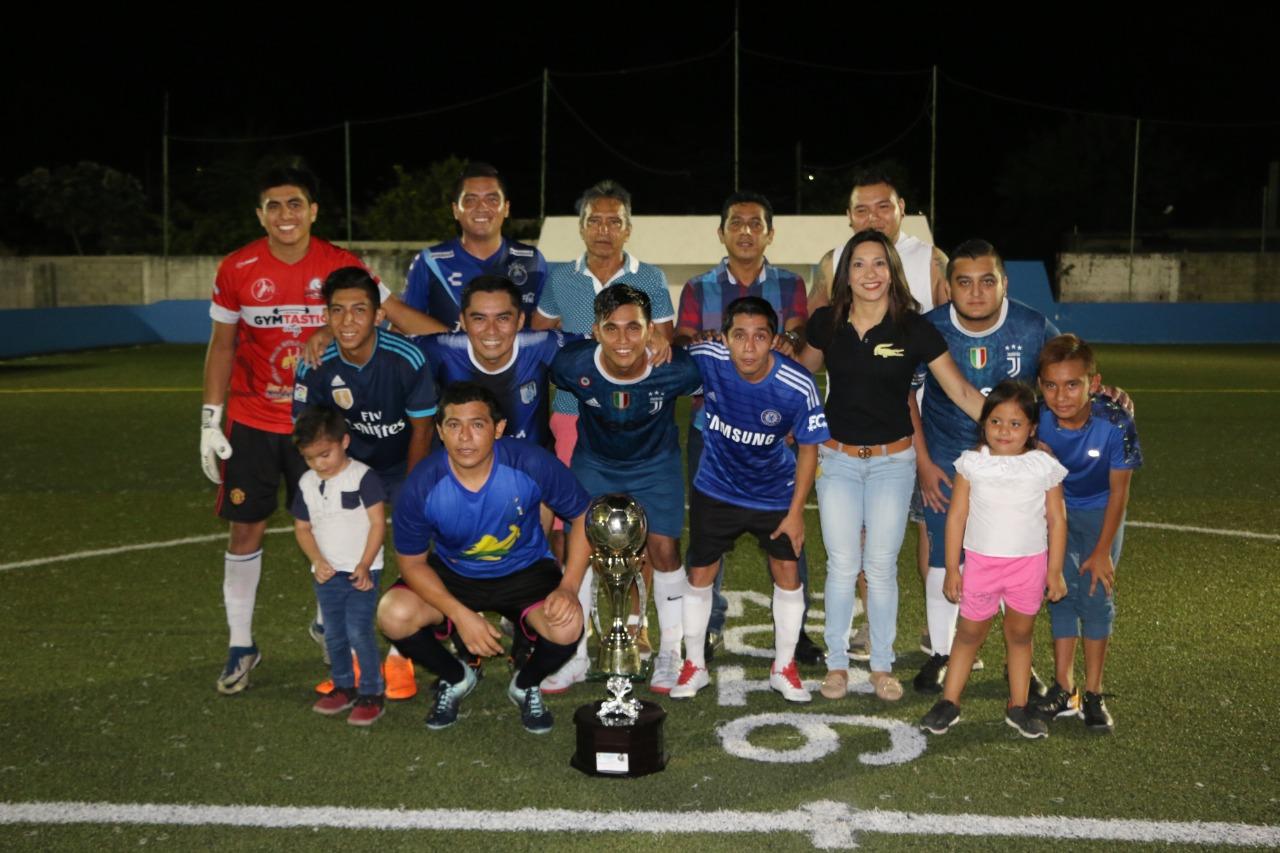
x=317, y=423
x=752, y=306
x=1067, y=347
x=288, y=176
x=747, y=197
x=615, y=296
x=351, y=278
x=460, y=393
x=477, y=169
x=1011, y=391
x=973, y=250
x=492, y=284
x=607, y=188
x=871, y=177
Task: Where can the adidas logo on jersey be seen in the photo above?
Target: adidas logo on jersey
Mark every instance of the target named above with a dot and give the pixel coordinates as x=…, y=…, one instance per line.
x=593, y=402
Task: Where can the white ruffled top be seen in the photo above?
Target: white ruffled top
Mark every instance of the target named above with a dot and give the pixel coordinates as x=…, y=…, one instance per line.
x=1006, y=501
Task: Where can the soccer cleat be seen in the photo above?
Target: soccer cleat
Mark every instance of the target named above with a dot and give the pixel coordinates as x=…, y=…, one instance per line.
x=397, y=671
x=1025, y=722
x=929, y=678
x=325, y=687
x=692, y=679
x=241, y=660
x=787, y=682
x=808, y=652
x=1058, y=703
x=941, y=717
x=1096, y=716
x=448, y=696
x=367, y=711
x=666, y=672
x=860, y=644
x=535, y=716
x=316, y=632
x=573, y=672
x=335, y=701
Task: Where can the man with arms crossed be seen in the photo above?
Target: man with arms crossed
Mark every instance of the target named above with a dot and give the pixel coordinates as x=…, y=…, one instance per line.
x=267, y=301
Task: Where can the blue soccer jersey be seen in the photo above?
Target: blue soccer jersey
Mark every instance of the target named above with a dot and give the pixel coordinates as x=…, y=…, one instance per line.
x=496, y=531
x=570, y=295
x=520, y=386
x=439, y=273
x=625, y=421
x=1009, y=350
x=745, y=460
x=1107, y=441
x=375, y=398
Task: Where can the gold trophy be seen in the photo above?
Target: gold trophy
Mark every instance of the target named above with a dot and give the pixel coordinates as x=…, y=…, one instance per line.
x=616, y=529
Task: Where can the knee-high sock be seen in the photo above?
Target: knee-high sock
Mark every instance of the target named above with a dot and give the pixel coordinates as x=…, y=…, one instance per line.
x=696, y=613
x=587, y=598
x=239, y=592
x=668, y=598
x=788, y=619
x=425, y=649
x=547, y=657
x=941, y=613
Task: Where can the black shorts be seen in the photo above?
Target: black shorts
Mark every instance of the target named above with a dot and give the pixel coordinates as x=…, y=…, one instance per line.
x=251, y=476
x=715, y=525
x=512, y=596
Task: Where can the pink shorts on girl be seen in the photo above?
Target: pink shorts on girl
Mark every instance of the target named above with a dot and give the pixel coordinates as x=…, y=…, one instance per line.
x=1018, y=580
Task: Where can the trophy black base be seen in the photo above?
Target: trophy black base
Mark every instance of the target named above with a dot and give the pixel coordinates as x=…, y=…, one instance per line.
x=633, y=750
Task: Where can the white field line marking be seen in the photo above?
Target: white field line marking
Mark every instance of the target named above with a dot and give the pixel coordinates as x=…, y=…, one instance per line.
x=123, y=549
x=210, y=537
x=828, y=824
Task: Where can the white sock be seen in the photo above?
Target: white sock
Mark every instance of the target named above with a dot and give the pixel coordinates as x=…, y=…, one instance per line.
x=696, y=613
x=668, y=598
x=587, y=598
x=788, y=613
x=319, y=615
x=941, y=613
x=239, y=591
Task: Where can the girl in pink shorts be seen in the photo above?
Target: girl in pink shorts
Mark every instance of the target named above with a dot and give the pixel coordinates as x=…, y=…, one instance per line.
x=1007, y=512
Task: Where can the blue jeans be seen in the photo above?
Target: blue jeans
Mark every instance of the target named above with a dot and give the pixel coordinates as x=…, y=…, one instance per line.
x=853, y=493
x=348, y=627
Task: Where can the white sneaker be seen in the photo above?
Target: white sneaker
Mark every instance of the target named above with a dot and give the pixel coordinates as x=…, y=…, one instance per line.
x=666, y=672
x=692, y=679
x=787, y=682
x=573, y=672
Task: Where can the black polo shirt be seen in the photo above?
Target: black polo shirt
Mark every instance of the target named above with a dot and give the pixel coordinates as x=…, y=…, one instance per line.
x=869, y=378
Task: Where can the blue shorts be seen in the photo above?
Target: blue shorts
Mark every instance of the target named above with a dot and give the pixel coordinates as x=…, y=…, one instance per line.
x=657, y=484
x=1097, y=612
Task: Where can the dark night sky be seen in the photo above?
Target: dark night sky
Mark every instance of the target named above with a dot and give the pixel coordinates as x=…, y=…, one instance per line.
x=96, y=91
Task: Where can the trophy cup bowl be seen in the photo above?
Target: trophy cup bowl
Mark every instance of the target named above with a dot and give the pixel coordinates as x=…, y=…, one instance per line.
x=617, y=530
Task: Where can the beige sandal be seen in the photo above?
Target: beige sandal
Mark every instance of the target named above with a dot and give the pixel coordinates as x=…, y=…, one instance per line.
x=836, y=684
x=887, y=687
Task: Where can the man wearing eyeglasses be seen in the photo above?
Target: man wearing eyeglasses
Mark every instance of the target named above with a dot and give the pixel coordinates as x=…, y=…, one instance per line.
x=746, y=230
x=439, y=273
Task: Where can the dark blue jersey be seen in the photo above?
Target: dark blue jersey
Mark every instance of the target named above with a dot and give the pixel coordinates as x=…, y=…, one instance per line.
x=520, y=386
x=1107, y=441
x=438, y=274
x=496, y=531
x=1009, y=350
x=624, y=421
x=745, y=460
x=376, y=398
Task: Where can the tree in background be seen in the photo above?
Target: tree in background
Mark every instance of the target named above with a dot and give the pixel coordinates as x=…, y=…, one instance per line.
x=89, y=208
x=416, y=207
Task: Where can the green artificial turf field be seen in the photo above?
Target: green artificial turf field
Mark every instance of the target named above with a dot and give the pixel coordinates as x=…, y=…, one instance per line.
x=108, y=695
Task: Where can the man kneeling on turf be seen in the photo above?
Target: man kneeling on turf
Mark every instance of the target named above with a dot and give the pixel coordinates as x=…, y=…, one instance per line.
x=475, y=506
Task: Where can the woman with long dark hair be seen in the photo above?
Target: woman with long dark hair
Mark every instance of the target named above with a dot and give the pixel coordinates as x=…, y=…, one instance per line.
x=871, y=339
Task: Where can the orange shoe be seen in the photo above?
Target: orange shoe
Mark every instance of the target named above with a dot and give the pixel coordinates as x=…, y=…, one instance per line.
x=325, y=687
x=398, y=673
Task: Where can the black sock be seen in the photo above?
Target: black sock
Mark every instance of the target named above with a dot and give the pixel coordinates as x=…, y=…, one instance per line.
x=547, y=657
x=424, y=648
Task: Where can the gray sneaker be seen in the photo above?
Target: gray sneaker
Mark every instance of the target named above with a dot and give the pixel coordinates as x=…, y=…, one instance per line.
x=241, y=660
x=448, y=696
x=535, y=716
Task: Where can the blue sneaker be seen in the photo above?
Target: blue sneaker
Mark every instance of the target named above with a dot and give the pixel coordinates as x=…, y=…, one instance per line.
x=448, y=697
x=316, y=632
x=235, y=676
x=535, y=716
